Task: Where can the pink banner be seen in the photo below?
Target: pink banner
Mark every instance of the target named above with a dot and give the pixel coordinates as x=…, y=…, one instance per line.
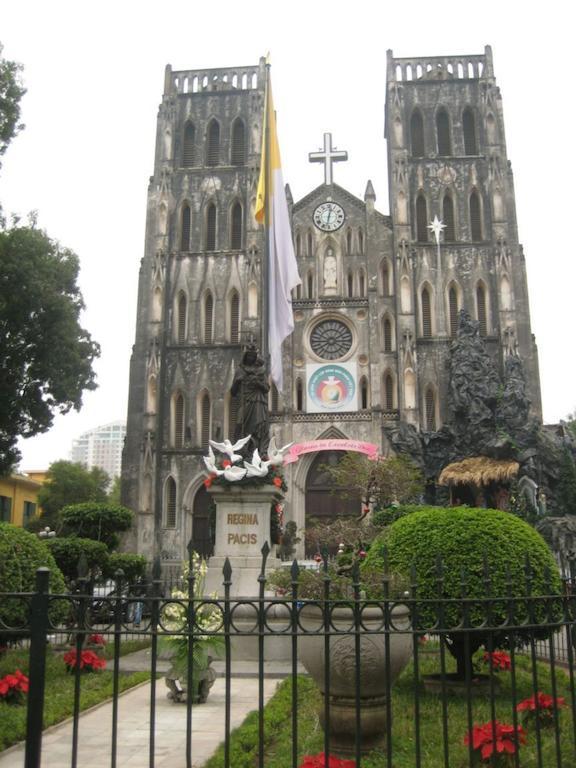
x=313, y=446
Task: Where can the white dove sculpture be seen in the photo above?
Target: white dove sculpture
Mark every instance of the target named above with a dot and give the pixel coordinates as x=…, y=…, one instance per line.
x=276, y=455
x=210, y=462
x=234, y=473
x=228, y=448
x=257, y=467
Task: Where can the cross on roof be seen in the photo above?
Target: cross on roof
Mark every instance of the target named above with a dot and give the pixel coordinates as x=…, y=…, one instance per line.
x=328, y=156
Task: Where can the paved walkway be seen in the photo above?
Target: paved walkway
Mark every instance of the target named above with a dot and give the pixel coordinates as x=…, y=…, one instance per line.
x=133, y=724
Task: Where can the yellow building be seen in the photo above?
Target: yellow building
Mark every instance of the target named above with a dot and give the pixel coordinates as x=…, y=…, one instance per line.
x=19, y=497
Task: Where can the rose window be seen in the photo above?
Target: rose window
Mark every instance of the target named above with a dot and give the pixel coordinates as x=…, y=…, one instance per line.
x=331, y=339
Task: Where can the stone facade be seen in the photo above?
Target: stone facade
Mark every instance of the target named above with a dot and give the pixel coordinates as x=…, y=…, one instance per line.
x=377, y=287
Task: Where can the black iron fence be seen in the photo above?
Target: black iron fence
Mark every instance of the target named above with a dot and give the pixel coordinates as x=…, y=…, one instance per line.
x=402, y=679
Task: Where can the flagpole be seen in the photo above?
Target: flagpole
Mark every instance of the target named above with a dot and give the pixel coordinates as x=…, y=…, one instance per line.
x=264, y=347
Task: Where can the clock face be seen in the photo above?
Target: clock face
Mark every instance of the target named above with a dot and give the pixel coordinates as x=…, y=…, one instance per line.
x=329, y=216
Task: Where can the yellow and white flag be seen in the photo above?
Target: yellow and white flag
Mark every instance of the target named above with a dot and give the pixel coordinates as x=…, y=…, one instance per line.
x=272, y=210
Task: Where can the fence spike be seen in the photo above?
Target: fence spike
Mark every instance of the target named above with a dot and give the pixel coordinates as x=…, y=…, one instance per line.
x=295, y=570
x=227, y=571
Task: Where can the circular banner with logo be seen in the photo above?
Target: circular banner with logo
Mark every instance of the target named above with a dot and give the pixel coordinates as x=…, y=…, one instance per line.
x=332, y=387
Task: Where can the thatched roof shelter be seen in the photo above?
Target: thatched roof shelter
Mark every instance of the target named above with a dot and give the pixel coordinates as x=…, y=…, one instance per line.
x=479, y=470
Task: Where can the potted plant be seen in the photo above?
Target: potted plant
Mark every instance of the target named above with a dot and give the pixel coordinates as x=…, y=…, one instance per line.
x=175, y=639
x=336, y=601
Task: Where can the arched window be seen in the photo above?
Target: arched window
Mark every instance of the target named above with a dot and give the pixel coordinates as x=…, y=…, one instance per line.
x=310, y=244
x=274, y=406
x=310, y=284
x=448, y=218
x=430, y=409
x=211, y=227
x=387, y=334
x=213, y=143
x=208, y=318
x=350, y=283
x=385, y=276
x=481, y=309
x=475, y=217
x=253, y=300
x=157, y=304
x=469, y=130
x=364, y=393
x=185, y=228
x=238, y=151
x=232, y=416
x=417, y=133
x=181, y=318
x=426, y=313
x=299, y=396
x=421, y=219
x=151, y=395
x=189, y=146
x=178, y=421
x=234, y=318
x=405, y=295
x=443, y=133
x=388, y=393
x=236, y=227
x=361, y=283
x=360, y=241
x=170, y=503
x=349, y=242
x=205, y=421
x=409, y=388
x=453, y=309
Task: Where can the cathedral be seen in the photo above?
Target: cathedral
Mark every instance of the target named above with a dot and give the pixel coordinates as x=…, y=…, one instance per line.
x=377, y=309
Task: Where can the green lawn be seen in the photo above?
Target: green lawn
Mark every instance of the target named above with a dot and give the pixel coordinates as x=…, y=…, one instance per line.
x=278, y=735
x=96, y=687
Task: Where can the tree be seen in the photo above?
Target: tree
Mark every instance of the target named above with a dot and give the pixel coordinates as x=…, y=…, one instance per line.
x=69, y=483
x=464, y=539
x=96, y=520
x=46, y=359
x=11, y=91
x=383, y=481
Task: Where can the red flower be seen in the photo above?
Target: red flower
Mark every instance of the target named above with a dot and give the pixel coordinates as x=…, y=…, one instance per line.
x=277, y=482
x=11, y=686
x=226, y=463
x=495, y=737
x=208, y=482
x=319, y=761
x=545, y=702
x=361, y=554
x=88, y=661
x=97, y=640
x=318, y=558
x=498, y=659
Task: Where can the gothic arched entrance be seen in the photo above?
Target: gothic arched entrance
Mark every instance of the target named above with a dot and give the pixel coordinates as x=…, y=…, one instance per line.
x=322, y=504
x=202, y=534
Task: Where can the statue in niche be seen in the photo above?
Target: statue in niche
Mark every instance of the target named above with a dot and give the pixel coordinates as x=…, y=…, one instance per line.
x=250, y=387
x=330, y=269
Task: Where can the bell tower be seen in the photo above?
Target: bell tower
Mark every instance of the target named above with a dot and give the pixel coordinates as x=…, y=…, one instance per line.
x=447, y=159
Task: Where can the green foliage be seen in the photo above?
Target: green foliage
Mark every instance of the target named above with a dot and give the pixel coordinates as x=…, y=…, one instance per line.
x=46, y=354
x=11, y=92
x=59, y=701
x=114, y=494
x=21, y=554
x=133, y=566
x=384, y=517
x=383, y=481
x=93, y=520
x=68, y=482
x=67, y=553
x=462, y=537
x=566, y=488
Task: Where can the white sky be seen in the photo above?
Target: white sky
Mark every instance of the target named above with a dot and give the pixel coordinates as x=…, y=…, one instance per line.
x=94, y=74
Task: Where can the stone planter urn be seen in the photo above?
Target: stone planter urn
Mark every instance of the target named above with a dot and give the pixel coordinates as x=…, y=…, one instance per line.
x=373, y=669
x=203, y=681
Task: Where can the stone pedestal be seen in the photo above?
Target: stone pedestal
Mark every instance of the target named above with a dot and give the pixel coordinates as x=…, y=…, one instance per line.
x=242, y=528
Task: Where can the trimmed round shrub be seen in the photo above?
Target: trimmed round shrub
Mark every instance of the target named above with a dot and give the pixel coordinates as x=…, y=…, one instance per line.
x=94, y=520
x=384, y=517
x=67, y=553
x=465, y=538
x=21, y=554
x=133, y=566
